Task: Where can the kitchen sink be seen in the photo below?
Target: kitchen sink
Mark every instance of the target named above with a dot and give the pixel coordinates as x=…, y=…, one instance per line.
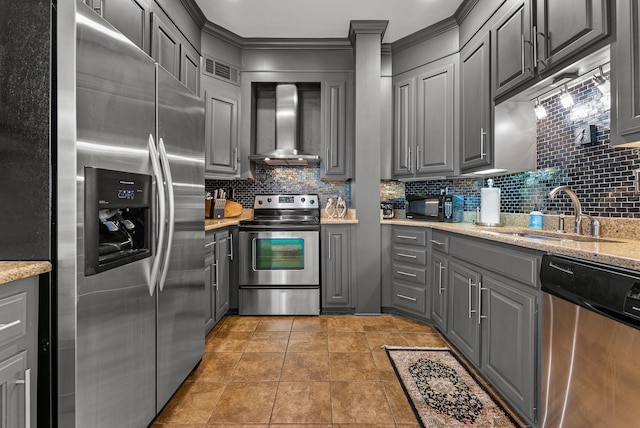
x=553, y=236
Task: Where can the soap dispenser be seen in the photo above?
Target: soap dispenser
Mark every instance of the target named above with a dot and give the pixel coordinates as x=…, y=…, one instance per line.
x=535, y=218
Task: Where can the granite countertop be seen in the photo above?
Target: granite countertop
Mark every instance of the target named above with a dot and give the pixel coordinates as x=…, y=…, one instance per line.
x=247, y=213
x=13, y=271
x=611, y=250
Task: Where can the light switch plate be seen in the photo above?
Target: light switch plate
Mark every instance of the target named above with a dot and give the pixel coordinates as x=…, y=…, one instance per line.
x=636, y=180
x=585, y=134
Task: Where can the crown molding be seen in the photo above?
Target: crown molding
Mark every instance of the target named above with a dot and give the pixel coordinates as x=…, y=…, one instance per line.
x=367, y=27
x=464, y=9
x=285, y=43
x=223, y=34
x=424, y=34
x=195, y=12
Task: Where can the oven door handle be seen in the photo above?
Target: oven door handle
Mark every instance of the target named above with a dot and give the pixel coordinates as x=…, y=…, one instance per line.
x=279, y=228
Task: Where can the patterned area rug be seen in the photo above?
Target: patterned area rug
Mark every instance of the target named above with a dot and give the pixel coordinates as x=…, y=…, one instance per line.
x=442, y=392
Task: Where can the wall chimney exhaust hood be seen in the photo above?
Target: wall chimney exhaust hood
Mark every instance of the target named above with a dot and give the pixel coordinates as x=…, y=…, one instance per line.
x=286, y=151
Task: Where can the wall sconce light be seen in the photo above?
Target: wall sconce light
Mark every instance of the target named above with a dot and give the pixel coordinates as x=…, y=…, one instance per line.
x=539, y=109
x=602, y=83
x=565, y=97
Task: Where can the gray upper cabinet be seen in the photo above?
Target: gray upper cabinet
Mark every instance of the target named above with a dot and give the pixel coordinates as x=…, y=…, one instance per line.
x=130, y=17
x=564, y=28
x=221, y=129
x=166, y=45
x=336, y=153
x=173, y=51
x=424, y=115
x=475, y=104
x=403, y=126
x=512, y=50
x=625, y=75
x=337, y=260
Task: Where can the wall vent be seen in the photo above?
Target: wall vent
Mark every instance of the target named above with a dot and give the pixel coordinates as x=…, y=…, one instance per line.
x=222, y=71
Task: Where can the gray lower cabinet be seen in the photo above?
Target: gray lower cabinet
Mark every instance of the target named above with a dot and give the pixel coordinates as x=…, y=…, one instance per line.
x=493, y=298
x=221, y=129
x=439, y=288
x=625, y=75
x=410, y=255
x=218, y=253
x=337, y=273
x=18, y=352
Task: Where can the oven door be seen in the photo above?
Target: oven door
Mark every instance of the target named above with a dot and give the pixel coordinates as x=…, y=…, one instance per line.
x=279, y=258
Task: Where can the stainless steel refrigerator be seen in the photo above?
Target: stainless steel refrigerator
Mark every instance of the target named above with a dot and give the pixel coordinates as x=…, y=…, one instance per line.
x=129, y=331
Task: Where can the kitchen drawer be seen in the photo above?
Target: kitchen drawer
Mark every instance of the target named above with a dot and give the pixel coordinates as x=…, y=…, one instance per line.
x=412, y=255
x=409, y=297
x=507, y=260
x=410, y=235
x=440, y=241
x=410, y=274
x=13, y=318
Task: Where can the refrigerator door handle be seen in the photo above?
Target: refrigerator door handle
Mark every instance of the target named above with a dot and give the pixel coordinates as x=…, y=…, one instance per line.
x=155, y=164
x=164, y=160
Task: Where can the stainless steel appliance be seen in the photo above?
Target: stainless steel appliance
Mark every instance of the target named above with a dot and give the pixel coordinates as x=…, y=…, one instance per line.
x=447, y=208
x=280, y=257
x=130, y=232
x=590, y=344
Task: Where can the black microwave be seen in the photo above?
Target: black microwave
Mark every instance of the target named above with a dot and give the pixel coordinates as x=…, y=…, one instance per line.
x=447, y=208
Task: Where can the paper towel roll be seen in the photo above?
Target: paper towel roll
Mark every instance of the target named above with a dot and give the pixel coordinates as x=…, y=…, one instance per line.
x=490, y=205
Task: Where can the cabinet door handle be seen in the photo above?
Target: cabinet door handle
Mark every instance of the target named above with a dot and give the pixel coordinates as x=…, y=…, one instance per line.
x=409, y=256
x=480, y=290
x=410, y=161
x=407, y=237
x=433, y=241
x=440, y=287
x=9, y=325
x=230, y=247
x=483, y=137
x=326, y=162
x=235, y=158
x=535, y=46
x=471, y=311
x=412, y=275
x=417, y=158
x=402, y=296
x=329, y=245
x=215, y=266
x=27, y=397
x=522, y=64
x=210, y=244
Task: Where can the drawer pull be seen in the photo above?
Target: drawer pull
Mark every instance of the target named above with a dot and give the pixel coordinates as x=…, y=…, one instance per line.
x=209, y=244
x=412, y=275
x=433, y=241
x=11, y=324
x=402, y=296
x=407, y=237
x=410, y=256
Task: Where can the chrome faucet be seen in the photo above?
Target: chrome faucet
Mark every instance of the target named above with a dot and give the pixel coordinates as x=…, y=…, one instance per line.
x=576, y=205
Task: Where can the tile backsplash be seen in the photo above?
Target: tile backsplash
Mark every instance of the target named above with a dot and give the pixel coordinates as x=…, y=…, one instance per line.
x=283, y=179
x=601, y=176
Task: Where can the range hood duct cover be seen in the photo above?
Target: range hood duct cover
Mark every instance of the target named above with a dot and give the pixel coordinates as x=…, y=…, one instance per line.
x=286, y=152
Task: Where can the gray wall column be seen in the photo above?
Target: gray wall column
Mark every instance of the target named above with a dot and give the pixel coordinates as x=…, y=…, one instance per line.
x=366, y=38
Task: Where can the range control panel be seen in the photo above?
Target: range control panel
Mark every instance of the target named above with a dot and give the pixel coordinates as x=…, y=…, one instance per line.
x=285, y=201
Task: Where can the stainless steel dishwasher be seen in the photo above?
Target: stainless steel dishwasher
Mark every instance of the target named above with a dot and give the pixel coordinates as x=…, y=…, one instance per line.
x=590, y=344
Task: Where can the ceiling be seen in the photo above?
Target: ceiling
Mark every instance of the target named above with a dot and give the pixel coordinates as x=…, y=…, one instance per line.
x=323, y=18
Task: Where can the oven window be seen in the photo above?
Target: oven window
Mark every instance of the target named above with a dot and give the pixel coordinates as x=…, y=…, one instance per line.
x=279, y=254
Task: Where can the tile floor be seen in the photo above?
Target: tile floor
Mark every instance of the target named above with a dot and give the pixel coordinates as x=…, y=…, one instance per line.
x=326, y=371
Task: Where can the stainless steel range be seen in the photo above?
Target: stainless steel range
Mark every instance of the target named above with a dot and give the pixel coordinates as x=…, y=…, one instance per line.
x=280, y=256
